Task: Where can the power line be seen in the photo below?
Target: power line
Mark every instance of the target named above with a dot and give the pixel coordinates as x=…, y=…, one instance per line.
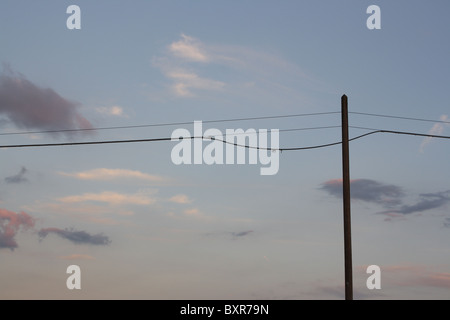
x=414, y=134
x=367, y=134
x=398, y=117
x=339, y=142
x=145, y=140
x=228, y=120
x=60, y=144
x=224, y=141
x=302, y=129
x=364, y=128
x=170, y=124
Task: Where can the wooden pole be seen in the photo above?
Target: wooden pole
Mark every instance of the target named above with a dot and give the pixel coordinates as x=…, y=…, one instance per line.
x=346, y=201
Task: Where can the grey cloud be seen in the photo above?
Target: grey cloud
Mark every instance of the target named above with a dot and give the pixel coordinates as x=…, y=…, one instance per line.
x=367, y=190
x=429, y=201
x=388, y=196
x=447, y=222
x=234, y=235
x=31, y=107
x=17, y=178
x=77, y=237
x=241, y=234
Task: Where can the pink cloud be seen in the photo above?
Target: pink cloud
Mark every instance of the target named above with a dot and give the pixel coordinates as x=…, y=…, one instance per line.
x=10, y=223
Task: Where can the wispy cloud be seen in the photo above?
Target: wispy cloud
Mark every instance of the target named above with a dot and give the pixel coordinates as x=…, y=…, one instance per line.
x=19, y=177
x=195, y=67
x=185, y=81
x=190, y=49
x=190, y=213
x=10, y=223
x=234, y=235
x=77, y=237
x=436, y=279
x=113, y=198
x=115, y=111
x=106, y=174
x=437, y=129
x=193, y=212
x=104, y=207
x=181, y=199
x=31, y=107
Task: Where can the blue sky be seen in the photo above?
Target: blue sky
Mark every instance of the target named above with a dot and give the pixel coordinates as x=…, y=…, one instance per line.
x=142, y=227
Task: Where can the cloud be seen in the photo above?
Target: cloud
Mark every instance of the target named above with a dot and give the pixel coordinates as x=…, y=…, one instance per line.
x=240, y=234
x=77, y=237
x=193, y=68
x=435, y=279
x=389, y=196
x=428, y=201
x=194, y=212
x=177, y=66
x=97, y=212
x=437, y=129
x=10, y=223
x=190, y=49
x=185, y=81
x=189, y=214
x=234, y=235
x=105, y=174
x=447, y=222
x=28, y=106
x=366, y=190
x=19, y=177
x=181, y=199
x=115, y=111
x=112, y=198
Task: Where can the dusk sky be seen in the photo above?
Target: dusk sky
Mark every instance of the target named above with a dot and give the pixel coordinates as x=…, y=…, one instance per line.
x=140, y=226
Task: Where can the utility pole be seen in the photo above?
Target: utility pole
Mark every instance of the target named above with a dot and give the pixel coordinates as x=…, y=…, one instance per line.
x=346, y=201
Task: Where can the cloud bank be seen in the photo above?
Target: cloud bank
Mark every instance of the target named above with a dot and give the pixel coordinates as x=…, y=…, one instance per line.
x=28, y=106
x=77, y=237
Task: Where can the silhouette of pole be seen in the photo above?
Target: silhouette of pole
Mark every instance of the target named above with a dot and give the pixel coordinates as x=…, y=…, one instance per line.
x=346, y=201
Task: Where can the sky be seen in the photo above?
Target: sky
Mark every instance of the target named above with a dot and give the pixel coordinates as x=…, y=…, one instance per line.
x=140, y=226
